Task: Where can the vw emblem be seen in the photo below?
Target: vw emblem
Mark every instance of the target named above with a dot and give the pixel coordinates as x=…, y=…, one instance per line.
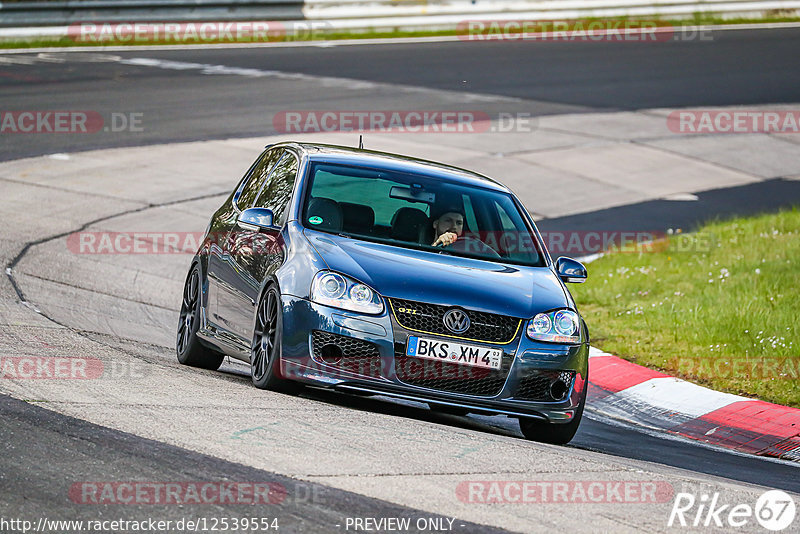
x=456, y=321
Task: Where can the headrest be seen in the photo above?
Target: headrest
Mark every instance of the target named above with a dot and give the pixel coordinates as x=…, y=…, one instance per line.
x=358, y=218
x=407, y=223
x=326, y=209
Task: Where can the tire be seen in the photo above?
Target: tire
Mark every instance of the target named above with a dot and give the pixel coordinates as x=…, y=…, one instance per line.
x=555, y=433
x=265, y=351
x=189, y=348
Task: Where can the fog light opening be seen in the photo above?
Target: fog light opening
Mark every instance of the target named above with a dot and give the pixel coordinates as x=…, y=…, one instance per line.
x=559, y=390
x=330, y=354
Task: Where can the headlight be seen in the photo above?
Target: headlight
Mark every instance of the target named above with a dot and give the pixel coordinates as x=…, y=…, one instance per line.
x=541, y=324
x=338, y=291
x=562, y=326
x=566, y=323
x=360, y=293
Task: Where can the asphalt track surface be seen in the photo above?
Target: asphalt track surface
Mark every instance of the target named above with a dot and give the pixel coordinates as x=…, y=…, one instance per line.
x=180, y=104
x=32, y=435
x=733, y=68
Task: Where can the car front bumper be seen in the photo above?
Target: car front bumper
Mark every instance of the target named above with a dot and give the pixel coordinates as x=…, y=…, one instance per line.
x=371, y=360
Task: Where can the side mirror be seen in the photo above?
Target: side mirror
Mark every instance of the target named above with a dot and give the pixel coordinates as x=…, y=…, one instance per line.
x=256, y=219
x=570, y=270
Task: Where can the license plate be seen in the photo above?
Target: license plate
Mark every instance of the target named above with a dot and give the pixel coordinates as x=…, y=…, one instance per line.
x=448, y=351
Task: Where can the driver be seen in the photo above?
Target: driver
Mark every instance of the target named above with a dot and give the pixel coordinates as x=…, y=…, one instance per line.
x=448, y=226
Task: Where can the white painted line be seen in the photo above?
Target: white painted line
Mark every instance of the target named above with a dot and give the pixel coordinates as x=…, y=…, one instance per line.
x=325, y=81
x=681, y=197
x=17, y=60
x=674, y=394
x=590, y=257
x=597, y=352
x=793, y=454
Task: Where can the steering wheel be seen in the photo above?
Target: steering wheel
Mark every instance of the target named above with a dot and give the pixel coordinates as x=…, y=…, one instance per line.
x=470, y=244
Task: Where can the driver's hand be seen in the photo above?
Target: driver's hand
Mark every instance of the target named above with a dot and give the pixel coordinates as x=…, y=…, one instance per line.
x=447, y=238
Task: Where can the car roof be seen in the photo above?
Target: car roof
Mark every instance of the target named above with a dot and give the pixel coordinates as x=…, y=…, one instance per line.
x=395, y=162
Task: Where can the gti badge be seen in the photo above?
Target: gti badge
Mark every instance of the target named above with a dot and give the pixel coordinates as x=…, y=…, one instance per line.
x=456, y=321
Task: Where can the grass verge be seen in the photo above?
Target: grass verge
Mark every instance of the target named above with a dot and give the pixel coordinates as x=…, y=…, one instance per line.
x=320, y=34
x=718, y=307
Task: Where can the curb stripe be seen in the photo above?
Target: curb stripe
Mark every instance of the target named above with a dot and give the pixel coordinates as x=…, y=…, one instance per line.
x=615, y=374
x=759, y=416
x=623, y=390
x=676, y=395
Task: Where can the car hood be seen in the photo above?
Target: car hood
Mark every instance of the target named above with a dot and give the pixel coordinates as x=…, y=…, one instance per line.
x=443, y=279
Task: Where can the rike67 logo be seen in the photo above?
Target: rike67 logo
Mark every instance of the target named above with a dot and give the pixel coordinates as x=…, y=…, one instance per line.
x=774, y=510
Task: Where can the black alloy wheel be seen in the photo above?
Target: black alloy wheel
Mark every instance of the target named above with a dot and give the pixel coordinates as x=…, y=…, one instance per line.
x=189, y=348
x=265, y=353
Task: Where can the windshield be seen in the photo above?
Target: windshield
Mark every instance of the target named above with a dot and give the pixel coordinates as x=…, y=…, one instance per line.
x=418, y=211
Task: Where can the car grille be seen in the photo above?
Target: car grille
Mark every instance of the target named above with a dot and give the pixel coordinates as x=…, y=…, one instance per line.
x=484, y=327
x=536, y=386
x=450, y=377
x=355, y=356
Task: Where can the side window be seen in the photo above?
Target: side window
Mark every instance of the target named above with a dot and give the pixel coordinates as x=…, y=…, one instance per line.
x=257, y=178
x=505, y=220
x=277, y=191
x=515, y=240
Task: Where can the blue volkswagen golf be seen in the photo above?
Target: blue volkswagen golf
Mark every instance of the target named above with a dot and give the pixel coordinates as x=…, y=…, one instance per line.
x=380, y=274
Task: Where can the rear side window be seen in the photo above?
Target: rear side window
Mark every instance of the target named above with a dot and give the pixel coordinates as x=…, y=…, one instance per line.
x=277, y=191
x=257, y=179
